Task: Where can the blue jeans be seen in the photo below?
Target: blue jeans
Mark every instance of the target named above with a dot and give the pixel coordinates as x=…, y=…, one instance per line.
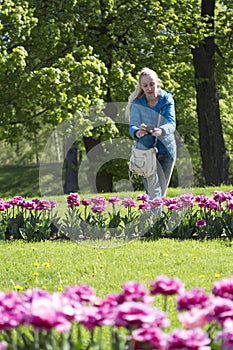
x=156, y=185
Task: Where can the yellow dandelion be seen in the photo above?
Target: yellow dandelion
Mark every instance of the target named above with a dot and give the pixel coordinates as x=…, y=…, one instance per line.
x=36, y=264
x=147, y=275
x=18, y=288
x=101, y=266
x=217, y=275
x=35, y=274
x=194, y=258
x=60, y=289
x=165, y=254
x=46, y=264
x=44, y=287
x=202, y=276
x=33, y=248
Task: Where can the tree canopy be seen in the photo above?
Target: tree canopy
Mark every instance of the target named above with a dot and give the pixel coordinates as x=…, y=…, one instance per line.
x=59, y=58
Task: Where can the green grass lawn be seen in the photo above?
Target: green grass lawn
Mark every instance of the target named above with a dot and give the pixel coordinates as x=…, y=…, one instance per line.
x=54, y=265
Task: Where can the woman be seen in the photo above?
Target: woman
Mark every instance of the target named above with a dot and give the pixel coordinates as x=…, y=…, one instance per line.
x=144, y=106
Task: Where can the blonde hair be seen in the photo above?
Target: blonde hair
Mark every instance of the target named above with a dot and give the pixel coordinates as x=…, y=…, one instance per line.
x=138, y=92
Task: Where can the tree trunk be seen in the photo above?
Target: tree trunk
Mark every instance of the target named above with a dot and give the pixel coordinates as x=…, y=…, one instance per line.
x=70, y=175
x=215, y=160
x=103, y=179
x=70, y=163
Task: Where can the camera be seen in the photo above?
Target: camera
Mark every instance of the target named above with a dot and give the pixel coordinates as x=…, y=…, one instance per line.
x=150, y=129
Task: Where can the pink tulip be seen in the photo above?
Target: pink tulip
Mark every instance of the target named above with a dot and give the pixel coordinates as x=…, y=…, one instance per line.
x=191, y=339
x=224, y=288
x=138, y=314
x=114, y=200
x=151, y=337
x=193, y=298
x=167, y=286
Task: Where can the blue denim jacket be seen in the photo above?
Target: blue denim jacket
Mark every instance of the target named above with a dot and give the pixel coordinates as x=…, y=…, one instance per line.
x=142, y=113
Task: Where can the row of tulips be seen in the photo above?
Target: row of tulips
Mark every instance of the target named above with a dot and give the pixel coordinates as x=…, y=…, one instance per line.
x=32, y=220
x=183, y=217
x=77, y=319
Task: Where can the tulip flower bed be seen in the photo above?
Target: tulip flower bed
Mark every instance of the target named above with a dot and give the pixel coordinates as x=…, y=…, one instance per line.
x=183, y=217
x=78, y=319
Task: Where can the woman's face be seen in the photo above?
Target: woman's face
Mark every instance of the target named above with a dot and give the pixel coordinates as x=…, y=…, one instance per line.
x=149, y=86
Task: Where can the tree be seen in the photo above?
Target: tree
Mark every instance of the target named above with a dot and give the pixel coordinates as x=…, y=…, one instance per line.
x=214, y=156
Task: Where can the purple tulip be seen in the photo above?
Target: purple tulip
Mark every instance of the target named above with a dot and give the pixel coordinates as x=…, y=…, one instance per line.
x=86, y=202
x=134, y=291
x=17, y=200
x=114, y=200
x=166, y=286
x=73, y=200
x=230, y=204
x=156, y=203
x=11, y=310
x=220, y=310
x=201, y=222
x=129, y=202
x=226, y=335
x=81, y=293
x=194, y=318
x=143, y=197
x=49, y=311
x=193, y=298
x=138, y=314
x=191, y=339
x=98, y=208
x=223, y=288
x=144, y=206
x=221, y=196
x=98, y=201
x=151, y=337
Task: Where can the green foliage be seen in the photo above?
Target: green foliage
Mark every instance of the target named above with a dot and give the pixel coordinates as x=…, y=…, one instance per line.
x=60, y=58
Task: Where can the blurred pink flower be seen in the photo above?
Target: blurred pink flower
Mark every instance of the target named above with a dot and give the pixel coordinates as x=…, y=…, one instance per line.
x=98, y=201
x=154, y=337
x=143, y=197
x=134, y=291
x=230, y=204
x=17, y=200
x=86, y=201
x=166, y=286
x=221, y=196
x=129, y=202
x=73, y=200
x=82, y=293
x=226, y=335
x=191, y=339
x=98, y=208
x=138, y=314
x=11, y=310
x=220, y=310
x=223, y=288
x=114, y=200
x=156, y=202
x=3, y=345
x=194, y=318
x=193, y=298
x=144, y=206
x=201, y=222
x=49, y=311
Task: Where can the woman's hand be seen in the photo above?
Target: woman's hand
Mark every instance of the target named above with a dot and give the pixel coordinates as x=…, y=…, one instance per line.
x=141, y=131
x=157, y=132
